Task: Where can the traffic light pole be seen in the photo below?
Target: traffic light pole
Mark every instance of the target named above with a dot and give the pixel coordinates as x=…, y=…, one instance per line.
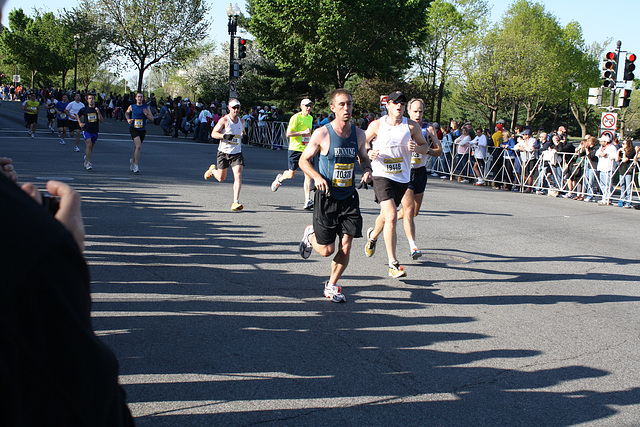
x=613, y=90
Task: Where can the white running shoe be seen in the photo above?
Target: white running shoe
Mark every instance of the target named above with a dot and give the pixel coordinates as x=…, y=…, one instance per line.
x=62, y=142
x=76, y=149
x=305, y=243
x=334, y=293
x=309, y=205
x=396, y=270
x=136, y=169
x=277, y=183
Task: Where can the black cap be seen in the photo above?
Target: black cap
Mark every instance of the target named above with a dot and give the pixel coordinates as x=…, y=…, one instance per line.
x=396, y=97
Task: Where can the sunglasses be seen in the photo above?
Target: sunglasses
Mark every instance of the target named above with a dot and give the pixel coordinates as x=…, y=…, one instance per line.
x=236, y=107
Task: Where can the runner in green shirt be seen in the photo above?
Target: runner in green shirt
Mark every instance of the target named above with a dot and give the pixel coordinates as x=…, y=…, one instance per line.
x=299, y=132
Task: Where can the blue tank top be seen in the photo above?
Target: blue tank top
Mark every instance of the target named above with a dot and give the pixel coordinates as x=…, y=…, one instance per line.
x=338, y=165
x=138, y=116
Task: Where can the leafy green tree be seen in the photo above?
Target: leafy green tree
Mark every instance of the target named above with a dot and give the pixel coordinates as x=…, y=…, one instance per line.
x=150, y=32
x=453, y=30
x=330, y=41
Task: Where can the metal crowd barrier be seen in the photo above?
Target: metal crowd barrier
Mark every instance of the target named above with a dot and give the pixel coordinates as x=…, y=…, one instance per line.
x=551, y=174
x=272, y=135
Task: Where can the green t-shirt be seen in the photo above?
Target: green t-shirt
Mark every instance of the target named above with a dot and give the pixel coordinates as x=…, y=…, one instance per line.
x=299, y=123
x=32, y=107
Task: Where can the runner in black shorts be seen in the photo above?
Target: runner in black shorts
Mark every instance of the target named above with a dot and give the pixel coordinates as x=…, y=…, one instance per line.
x=412, y=200
x=336, y=212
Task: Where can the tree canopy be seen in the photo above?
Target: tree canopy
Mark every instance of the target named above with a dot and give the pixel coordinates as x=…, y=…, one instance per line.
x=333, y=40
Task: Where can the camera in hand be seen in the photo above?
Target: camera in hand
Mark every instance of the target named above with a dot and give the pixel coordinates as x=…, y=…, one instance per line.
x=50, y=203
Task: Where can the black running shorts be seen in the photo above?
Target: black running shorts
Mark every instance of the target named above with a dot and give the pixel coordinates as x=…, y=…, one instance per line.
x=388, y=189
x=332, y=218
x=418, y=181
x=137, y=133
x=224, y=160
x=73, y=125
x=30, y=118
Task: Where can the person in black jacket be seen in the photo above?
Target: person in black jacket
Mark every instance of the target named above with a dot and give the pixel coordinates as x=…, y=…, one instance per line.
x=54, y=369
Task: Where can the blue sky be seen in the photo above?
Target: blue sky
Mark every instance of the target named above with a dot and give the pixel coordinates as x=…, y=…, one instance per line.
x=592, y=16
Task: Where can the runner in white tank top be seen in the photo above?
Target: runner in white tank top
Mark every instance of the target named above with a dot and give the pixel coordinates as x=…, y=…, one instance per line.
x=396, y=138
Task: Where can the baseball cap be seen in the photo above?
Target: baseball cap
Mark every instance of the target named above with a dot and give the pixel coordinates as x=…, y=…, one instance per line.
x=396, y=97
x=604, y=138
x=306, y=101
x=233, y=103
x=562, y=128
x=526, y=132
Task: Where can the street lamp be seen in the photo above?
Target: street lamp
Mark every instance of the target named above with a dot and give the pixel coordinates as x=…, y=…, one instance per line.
x=233, y=11
x=76, y=37
x=569, y=103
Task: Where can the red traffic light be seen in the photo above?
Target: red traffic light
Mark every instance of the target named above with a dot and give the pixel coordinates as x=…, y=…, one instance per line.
x=610, y=55
x=243, y=41
x=631, y=57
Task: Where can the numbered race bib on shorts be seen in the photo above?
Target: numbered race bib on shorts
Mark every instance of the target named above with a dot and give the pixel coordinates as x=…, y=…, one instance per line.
x=138, y=123
x=416, y=159
x=92, y=117
x=393, y=165
x=343, y=175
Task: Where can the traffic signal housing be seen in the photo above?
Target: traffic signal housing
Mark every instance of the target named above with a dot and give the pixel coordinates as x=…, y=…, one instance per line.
x=624, y=98
x=236, y=70
x=629, y=67
x=610, y=70
x=242, y=48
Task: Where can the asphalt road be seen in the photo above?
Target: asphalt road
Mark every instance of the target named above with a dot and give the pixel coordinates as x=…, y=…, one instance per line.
x=523, y=311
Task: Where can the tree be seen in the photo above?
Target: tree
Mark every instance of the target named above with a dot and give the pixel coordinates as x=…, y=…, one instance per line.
x=329, y=41
x=453, y=29
x=152, y=31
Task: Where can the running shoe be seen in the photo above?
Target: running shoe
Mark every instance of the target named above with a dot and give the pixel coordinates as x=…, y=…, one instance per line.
x=396, y=270
x=76, y=149
x=305, y=243
x=370, y=246
x=334, y=292
x=209, y=173
x=480, y=182
x=276, y=182
x=135, y=168
x=309, y=205
x=465, y=181
x=435, y=175
x=131, y=165
x=33, y=136
x=88, y=166
x=235, y=206
x=416, y=253
x=62, y=142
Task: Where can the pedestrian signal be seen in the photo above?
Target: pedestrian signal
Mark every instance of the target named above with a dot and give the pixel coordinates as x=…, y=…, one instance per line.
x=624, y=98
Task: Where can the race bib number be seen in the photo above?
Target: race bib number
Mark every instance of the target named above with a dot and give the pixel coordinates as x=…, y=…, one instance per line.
x=393, y=165
x=305, y=139
x=52, y=110
x=235, y=140
x=138, y=123
x=92, y=117
x=63, y=116
x=33, y=108
x=416, y=159
x=343, y=175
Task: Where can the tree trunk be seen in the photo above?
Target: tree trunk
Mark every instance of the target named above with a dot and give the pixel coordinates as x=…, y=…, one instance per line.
x=514, y=115
x=141, y=71
x=440, y=96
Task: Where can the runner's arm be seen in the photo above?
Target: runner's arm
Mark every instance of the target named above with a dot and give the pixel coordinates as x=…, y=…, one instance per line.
x=216, y=132
x=147, y=112
x=314, y=146
x=363, y=158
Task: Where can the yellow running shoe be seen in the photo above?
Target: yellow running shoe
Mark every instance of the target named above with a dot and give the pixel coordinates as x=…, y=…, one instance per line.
x=396, y=270
x=236, y=207
x=209, y=173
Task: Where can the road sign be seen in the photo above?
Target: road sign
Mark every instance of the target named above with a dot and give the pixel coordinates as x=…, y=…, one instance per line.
x=16, y=78
x=609, y=120
x=383, y=100
x=233, y=85
x=607, y=132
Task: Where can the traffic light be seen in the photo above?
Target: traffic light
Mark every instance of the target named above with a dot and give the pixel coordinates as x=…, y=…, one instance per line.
x=610, y=70
x=242, y=48
x=629, y=66
x=624, y=98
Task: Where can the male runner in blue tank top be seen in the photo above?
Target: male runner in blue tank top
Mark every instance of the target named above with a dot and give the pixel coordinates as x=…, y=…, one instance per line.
x=336, y=206
x=137, y=115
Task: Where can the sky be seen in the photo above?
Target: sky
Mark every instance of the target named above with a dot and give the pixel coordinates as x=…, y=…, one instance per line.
x=591, y=14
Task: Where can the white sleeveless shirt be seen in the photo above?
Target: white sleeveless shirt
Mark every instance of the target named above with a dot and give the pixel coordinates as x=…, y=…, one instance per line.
x=234, y=146
x=394, y=158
